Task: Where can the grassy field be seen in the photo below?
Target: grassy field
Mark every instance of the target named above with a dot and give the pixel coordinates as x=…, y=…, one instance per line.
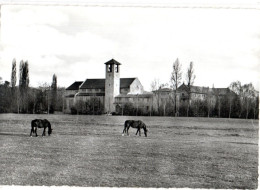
x=91, y=151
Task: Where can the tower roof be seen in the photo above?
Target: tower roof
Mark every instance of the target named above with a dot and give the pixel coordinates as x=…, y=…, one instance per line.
x=113, y=62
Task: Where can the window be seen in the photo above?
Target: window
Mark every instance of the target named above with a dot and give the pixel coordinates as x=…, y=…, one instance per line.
x=117, y=68
x=109, y=68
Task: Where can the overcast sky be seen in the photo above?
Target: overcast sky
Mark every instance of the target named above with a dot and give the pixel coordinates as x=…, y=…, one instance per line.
x=74, y=43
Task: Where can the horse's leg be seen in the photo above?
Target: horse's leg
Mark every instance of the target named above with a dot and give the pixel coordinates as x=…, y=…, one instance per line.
x=145, y=132
x=138, y=129
x=31, y=132
x=35, y=131
x=127, y=130
x=43, y=133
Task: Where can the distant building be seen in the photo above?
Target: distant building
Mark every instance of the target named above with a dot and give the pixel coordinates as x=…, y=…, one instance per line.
x=201, y=93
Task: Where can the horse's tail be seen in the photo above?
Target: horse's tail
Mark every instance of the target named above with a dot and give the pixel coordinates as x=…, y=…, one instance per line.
x=32, y=125
x=126, y=122
x=125, y=125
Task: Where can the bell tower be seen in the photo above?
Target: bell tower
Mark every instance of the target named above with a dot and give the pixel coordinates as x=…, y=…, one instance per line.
x=112, y=84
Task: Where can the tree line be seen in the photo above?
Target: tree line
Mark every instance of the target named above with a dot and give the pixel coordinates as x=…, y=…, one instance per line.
x=243, y=103
x=22, y=98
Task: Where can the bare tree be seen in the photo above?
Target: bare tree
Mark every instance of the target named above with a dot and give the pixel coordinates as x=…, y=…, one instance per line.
x=190, y=77
x=155, y=84
x=176, y=77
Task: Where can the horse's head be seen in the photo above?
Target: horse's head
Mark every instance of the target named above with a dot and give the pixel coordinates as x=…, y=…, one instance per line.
x=49, y=131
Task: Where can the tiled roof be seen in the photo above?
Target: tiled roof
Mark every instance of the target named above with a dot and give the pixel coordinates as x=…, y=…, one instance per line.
x=75, y=85
x=100, y=83
x=112, y=61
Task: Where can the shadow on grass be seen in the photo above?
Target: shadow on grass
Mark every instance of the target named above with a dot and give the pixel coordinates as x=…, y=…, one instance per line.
x=15, y=134
x=243, y=143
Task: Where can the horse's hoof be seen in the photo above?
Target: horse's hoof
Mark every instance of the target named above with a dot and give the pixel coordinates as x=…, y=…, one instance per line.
x=123, y=135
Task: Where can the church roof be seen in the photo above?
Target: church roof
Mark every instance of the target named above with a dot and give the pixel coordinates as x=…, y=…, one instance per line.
x=100, y=83
x=75, y=85
x=126, y=82
x=93, y=84
x=112, y=61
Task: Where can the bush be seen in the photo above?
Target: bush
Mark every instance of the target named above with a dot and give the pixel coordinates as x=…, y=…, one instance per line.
x=73, y=111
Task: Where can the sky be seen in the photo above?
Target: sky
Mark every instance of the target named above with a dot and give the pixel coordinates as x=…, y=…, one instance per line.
x=74, y=42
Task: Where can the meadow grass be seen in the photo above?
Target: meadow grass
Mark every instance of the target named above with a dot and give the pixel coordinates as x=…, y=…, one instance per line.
x=91, y=151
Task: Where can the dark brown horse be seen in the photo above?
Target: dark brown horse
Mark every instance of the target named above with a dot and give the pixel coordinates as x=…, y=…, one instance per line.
x=138, y=124
x=40, y=123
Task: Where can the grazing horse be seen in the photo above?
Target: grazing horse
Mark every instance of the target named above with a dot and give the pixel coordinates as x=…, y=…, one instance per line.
x=40, y=123
x=135, y=124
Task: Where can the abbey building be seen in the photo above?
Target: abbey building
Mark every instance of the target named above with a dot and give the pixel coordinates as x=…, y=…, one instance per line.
x=126, y=96
x=106, y=95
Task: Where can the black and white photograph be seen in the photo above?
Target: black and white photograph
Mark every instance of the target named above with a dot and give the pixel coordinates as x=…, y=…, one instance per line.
x=129, y=94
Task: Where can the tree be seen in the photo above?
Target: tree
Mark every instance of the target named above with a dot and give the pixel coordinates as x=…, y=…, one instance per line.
x=237, y=88
x=53, y=94
x=13, y=83
x=209, y=102
x=176, y=77
x=23, y=86
x=13, y=75
x=248, y=92
x=155, y=85
x=5, y=97
x=190, y=77
x=45, y=88
x=256, y=106
x=246, y=95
